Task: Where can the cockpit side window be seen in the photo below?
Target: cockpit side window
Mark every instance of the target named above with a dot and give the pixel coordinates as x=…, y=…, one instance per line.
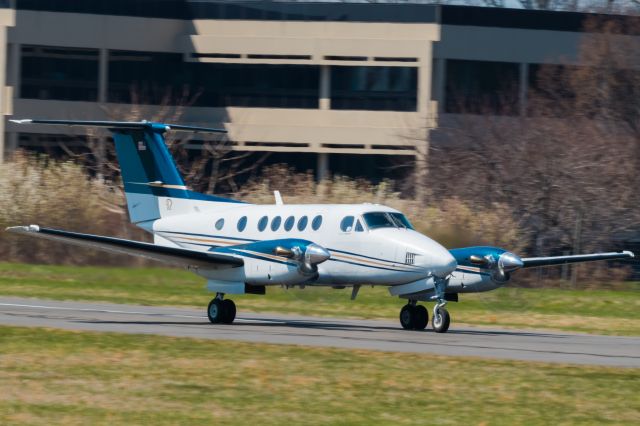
x=376, y=220
x=401, y=220
x=359, y=227
x=346, y=225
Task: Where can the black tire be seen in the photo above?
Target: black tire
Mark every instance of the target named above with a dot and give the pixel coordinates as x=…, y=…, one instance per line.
x=215, y=311
x=228, y=311
x=421, y=317
x=407, y=317
x=441, y=321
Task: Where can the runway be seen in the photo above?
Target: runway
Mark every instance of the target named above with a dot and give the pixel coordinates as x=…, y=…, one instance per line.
x=527, y=345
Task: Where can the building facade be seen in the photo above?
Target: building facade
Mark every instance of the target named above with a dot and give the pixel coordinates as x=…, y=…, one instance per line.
x=326, y=80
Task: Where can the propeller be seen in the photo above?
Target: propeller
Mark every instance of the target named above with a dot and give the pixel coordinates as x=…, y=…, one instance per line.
x=502, y=267
x=308, y=259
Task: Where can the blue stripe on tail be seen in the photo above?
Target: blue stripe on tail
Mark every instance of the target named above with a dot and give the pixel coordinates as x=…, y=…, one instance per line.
x=148, y=171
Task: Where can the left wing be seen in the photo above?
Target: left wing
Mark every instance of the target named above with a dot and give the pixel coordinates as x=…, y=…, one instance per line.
x=531, y=262
x=172, y=255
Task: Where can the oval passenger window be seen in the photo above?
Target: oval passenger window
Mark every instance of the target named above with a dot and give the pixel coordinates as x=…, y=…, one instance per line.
x=262, y=224
x=317, y=222
x=275, y=223
x=346, y=224
x=302, y=223
x=219, y=224
x=288, y=224
x=242, y=223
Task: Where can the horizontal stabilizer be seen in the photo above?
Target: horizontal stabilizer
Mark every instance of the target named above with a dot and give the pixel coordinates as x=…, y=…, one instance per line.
x=131, y=125
x=171, y=255
x=531, y=262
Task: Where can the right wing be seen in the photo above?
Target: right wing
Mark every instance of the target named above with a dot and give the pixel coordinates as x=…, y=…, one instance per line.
x=532, y=262
x=172, y=255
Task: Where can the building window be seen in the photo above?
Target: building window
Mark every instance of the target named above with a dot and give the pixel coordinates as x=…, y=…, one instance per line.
x=317, y=222
x=374, y=88
x=242, y=223
x=219, y=224
x=165, y=78
x=481, y=87
x=288, y=224
x=262, y=224
x=347, y=224
x=275, y=223
x=302, y=223
x=59, y=73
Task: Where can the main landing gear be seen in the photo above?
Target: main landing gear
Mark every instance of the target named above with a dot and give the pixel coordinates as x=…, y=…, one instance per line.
x=221, y=311
x=415, y=317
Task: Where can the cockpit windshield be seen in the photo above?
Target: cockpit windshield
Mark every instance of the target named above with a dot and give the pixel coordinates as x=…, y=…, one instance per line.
x=386, y=220
x=401, y=220
x=378, y=220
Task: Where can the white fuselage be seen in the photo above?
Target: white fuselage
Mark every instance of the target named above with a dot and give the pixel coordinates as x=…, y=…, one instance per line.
x=360, y=253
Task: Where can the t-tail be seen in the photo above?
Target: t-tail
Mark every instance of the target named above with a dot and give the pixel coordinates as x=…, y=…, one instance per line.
x=153, y=185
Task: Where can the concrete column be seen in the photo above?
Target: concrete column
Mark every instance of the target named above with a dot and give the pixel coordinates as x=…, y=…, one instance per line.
x=425, y=74
x=325, y=87
x=103, y=75
x=322, y=169
x=523, y=89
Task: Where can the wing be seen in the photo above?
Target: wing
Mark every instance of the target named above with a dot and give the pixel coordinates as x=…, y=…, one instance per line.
x=531, y=262
x=172, y=255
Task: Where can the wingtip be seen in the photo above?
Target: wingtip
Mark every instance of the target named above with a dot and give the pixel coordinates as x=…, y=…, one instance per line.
x=30, y=228
x=629, y=253
x=23, y=121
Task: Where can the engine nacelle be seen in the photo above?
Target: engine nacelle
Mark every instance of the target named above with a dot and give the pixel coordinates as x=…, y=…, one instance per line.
x=287, y=261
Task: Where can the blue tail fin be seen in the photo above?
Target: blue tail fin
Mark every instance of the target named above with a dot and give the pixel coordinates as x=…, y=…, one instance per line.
x=149, y=173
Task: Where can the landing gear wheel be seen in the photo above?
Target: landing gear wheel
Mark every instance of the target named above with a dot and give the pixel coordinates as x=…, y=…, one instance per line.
x=420, y=317
x=228, y=311
x=215, y=311
x=407, y=317
x=440, y=320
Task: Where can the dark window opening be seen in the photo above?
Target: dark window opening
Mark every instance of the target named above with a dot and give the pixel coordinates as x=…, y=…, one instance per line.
x=346, y=225
x=275, y=223
x=164, y=78
x=59, y=73
x=479, y=87
x=288, y=224
x=374, y=88
x=317, y=222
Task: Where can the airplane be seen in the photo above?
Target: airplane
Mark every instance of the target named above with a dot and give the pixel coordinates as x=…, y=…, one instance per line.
x=242, y=248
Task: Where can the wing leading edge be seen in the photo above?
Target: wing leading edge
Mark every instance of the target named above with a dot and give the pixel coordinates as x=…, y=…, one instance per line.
x=531, y=262
x=172, y=255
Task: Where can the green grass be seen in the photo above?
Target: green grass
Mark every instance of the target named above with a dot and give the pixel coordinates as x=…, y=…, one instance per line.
x=594, y=311
x=78, y=378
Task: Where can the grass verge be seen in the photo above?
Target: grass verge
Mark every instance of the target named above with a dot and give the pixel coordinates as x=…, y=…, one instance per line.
x=614, y=312
x=89, y=378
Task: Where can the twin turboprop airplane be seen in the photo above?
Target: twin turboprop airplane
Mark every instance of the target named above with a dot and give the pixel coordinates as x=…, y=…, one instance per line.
x=244, y=248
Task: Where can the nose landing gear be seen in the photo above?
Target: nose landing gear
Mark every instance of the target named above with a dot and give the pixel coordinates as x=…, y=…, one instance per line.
x=221, y=311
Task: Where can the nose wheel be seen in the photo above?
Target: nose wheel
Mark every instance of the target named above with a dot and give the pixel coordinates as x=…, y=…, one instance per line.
x=441, y=319
x=414, y=317
x=221, y=311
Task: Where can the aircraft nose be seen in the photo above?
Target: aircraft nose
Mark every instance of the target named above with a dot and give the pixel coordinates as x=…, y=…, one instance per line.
x=443, y=263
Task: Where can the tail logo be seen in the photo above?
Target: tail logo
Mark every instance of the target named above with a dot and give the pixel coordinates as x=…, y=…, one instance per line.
x=141, y=146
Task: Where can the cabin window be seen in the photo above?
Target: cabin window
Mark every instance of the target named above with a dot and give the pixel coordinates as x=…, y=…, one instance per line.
x=302, y=223
x=262, y=223
x=401, y=220
x=275, y=223
x=346, y=225
x=288, y=224
x=359, y=227
x=317, y=222
x=242, y=223
x=219, y=224
x=378, y=220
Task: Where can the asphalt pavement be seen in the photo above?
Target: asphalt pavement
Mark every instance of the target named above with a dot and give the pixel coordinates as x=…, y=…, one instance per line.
x=500, y=343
